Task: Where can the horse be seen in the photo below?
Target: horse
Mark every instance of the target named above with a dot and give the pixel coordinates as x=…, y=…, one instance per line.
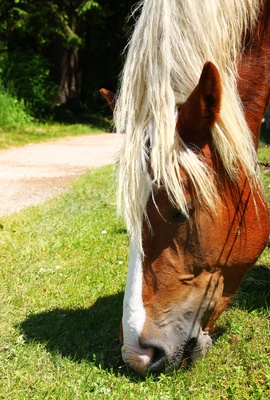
x=194, y=88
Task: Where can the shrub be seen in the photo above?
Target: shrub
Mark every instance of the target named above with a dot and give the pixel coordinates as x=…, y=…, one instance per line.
x=12, y=111
x=27, y=76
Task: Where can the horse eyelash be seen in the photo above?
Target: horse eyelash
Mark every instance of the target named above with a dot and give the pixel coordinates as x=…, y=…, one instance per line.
x=187, y=277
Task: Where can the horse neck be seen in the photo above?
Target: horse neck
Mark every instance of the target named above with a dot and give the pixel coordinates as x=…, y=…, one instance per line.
x=254, y=73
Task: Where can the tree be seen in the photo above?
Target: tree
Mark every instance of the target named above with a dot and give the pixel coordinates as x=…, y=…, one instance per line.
x=82, y=39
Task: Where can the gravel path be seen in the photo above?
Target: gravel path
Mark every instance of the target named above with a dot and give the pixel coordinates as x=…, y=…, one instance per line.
x=29, y=175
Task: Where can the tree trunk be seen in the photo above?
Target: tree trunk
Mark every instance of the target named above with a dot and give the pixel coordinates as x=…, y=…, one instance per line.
x=66, y=75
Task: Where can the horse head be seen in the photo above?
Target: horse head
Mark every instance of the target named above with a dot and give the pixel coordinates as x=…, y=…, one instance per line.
x=192, y=261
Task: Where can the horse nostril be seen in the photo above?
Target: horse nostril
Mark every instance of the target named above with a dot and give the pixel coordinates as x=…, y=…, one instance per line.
x=158, y=361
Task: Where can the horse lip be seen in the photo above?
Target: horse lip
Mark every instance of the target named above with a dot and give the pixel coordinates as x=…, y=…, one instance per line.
x=158, y=362
x=160, y=356
x=166, y=360
x=183, y=355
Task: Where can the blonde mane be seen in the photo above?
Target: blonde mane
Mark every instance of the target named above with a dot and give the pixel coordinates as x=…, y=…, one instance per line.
x=171, y=42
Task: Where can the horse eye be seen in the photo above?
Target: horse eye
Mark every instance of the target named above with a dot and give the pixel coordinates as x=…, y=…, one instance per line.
x=180, y=217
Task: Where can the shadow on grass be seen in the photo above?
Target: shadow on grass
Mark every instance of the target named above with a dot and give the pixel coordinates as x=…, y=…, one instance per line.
x=82, y=334
x=92, y=334
x=102, y=121
x=254, y=291
x=265, y=134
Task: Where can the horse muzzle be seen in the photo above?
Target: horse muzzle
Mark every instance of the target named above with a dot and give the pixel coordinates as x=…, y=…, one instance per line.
x=156, y=357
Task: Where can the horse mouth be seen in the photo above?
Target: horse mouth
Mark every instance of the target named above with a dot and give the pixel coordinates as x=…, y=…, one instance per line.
x=191, y=352
x=158, y=363
x=194, y=349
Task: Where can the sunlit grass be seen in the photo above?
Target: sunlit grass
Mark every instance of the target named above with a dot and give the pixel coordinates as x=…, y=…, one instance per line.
x=40, y=132
x=62, y=273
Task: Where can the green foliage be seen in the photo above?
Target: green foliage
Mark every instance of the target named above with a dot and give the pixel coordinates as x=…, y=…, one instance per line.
x=265, y=134
x=13, y=113
x=82, y=39
x=86, y=6
x=27, y=76
x=264, y=157
x=63, y=269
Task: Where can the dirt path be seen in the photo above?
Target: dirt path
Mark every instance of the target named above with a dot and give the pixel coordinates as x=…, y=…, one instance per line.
x=29, y=175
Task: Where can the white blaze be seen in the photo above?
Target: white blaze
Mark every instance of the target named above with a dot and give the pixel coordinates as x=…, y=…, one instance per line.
x=133, y=308
x=134, y=314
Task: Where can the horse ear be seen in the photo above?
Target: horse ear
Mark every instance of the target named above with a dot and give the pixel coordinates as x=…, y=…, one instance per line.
x=201, y=110
x=109, y=97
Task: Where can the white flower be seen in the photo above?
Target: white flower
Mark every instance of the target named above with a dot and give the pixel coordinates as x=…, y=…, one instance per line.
x=104, y=232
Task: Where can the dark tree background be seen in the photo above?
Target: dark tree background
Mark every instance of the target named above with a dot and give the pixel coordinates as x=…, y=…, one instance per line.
x=56, y=54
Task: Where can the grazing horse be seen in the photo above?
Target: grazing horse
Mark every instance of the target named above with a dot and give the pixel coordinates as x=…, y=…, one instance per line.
x=193, y=91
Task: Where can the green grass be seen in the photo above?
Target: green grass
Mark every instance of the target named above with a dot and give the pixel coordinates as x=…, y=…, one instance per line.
x=62, y=273
x=12, y=111
x=40, y=132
